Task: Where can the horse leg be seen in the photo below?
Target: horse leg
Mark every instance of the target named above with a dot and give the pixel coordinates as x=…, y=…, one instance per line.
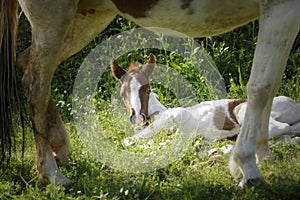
x=79, y=38
x=48, y=33
x=279, y=25
x=95, y=22
x=58, y=136
x=86, y=18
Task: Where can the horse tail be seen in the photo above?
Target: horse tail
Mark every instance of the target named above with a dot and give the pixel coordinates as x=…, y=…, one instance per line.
x=9, y=100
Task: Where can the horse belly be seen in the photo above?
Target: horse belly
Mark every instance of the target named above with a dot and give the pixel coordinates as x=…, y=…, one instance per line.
x=195, y=18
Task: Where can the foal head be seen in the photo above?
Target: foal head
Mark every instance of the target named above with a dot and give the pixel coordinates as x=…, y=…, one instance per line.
x=135, y=89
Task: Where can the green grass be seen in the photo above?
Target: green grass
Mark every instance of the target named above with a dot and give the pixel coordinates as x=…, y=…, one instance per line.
x=196, y=175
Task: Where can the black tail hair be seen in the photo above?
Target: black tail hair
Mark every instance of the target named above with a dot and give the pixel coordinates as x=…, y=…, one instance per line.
x=9, y=99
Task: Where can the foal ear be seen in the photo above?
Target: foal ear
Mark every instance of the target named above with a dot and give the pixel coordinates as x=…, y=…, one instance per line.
x=116, y=70
x=152, y=58
x=149, y=67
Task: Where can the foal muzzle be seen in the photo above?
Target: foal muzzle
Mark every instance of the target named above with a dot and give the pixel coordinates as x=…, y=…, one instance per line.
x=137, y=119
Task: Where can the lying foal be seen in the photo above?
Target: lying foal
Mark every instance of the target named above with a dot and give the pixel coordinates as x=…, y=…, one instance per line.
x=217, y=119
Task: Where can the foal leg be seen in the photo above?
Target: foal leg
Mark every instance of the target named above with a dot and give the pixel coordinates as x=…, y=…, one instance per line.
x=279, y=25
x=167, y=119
x=277, y=129
x=286, y=117
x=295, y=129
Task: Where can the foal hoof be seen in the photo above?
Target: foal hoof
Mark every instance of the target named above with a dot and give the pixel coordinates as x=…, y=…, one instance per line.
x=128, y=142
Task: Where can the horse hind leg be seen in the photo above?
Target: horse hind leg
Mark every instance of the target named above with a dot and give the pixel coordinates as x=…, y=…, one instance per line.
x=58, y=136
x=95, y=22
x=48, y=34
x=279, y=25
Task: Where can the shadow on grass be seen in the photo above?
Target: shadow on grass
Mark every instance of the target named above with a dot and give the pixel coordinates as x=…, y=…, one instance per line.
x=97, y=181
x=192, y=177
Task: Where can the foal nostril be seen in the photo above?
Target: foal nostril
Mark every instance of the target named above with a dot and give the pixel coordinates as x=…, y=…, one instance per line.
x=132, y=119
x=144, y=117
x=138, y=119
x=132, y=116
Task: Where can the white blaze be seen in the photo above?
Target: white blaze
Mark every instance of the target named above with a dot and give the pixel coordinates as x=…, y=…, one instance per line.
x=135, y=87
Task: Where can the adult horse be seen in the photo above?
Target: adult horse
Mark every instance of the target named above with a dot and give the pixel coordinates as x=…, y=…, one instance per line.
x=61, y=28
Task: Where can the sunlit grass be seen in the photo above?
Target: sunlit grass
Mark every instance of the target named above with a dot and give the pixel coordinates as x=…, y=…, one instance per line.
x=197, y=175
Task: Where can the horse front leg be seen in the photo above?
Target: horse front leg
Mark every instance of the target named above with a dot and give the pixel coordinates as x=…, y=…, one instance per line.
x=279, y=25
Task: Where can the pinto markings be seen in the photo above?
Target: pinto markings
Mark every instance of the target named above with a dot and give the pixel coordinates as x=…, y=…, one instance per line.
x=135, y=8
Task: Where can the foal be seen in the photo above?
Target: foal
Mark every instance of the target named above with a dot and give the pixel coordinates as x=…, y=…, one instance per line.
x=216, y=119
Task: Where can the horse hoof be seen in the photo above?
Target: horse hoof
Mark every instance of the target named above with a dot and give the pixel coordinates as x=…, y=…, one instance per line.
x=68, y=187
x=255, y=182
